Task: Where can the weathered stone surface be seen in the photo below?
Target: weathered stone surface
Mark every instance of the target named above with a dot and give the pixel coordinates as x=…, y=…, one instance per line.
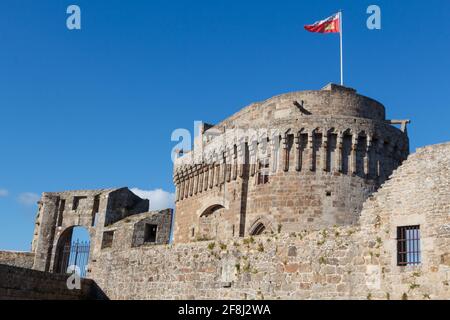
x=418, y=193
x=25, y=284
x=18, y=259
x=95, y=210
x=325, y=152
x=345, y=262
x=323, y=226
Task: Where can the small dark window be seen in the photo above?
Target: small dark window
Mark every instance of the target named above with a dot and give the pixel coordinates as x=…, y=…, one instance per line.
x=408, y=245
x=264, y=171
x=107, y=241
x=95, y=209
x=328, y=193
x=150, y=232
x=76, y=202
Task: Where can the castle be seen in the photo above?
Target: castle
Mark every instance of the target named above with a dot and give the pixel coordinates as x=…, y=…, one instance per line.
x=303, y=160
x=307, y=195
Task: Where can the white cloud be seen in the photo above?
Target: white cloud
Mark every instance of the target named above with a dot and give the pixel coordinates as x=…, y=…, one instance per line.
x=3, y=193
x=159, y=199
x=28, y=198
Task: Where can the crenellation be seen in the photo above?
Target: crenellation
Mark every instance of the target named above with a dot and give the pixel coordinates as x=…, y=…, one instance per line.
x=315, y=149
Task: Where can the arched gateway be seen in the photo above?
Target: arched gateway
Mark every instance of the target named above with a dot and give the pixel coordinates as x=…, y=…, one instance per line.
x=72, y=250
x=62, y=214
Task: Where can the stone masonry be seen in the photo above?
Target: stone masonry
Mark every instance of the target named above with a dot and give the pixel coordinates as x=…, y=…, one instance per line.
x=302, y=160
x=340, y=262
x=26, y=284
x=17, y=259
x=307, y=195
x=60, y=212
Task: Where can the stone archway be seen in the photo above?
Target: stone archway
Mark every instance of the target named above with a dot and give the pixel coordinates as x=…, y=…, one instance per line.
x=72, y=251
x=260, y=226
x=259, y=229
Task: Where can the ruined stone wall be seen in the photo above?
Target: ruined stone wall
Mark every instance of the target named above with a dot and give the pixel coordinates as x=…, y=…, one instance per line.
x=131, y=230
x=18, y=259
x=323, y=152
x=26, y=284
x=123, y=204
x=60, y=212
x=346, y=262
x=418, y=194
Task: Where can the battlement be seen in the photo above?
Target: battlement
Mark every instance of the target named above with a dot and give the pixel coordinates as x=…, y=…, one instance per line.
x=319, y=153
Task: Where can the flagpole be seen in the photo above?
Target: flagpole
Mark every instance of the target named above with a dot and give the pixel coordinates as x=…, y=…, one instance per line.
x=342, y=58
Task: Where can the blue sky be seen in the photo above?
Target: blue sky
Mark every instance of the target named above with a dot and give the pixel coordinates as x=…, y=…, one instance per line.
x=95, y=108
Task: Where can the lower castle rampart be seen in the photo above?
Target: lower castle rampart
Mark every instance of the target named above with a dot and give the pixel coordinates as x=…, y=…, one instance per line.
x=349, y=262
x=364, y=261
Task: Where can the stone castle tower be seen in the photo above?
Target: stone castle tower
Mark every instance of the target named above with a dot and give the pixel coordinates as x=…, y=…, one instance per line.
x=296, y=170
x=299, y=161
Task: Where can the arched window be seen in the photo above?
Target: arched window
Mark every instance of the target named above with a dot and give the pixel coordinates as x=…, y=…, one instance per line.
x=258, y=229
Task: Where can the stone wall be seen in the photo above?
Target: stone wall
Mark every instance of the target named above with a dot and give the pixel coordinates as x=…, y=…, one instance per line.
x=131, y=231
x=60, y=212
x=302, y=160
x=418, y=194
x=25, y=284
x=321, y=265
x=18, y=259
x=346, y=262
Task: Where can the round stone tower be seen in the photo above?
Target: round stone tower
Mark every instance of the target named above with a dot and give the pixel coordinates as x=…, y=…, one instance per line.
x=302, y=160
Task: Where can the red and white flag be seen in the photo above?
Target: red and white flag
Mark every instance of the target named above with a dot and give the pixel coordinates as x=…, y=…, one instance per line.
x=329, y=25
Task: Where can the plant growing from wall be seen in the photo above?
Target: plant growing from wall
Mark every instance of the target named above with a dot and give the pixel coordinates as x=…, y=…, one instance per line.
x=379, y=242
x=260, y=247
x=324, y=235
x=413, y=286
x=203, y=238
x=377, y=221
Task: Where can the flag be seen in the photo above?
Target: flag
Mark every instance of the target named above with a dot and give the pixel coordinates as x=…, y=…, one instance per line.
x=329, y=25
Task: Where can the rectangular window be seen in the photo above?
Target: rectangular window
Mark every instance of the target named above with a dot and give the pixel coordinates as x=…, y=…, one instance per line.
x=77, y=201
x=107, y=241
x=62, y=206
x=408, y=245
x=95, y=210
x=150, y=233
x=264, y=171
